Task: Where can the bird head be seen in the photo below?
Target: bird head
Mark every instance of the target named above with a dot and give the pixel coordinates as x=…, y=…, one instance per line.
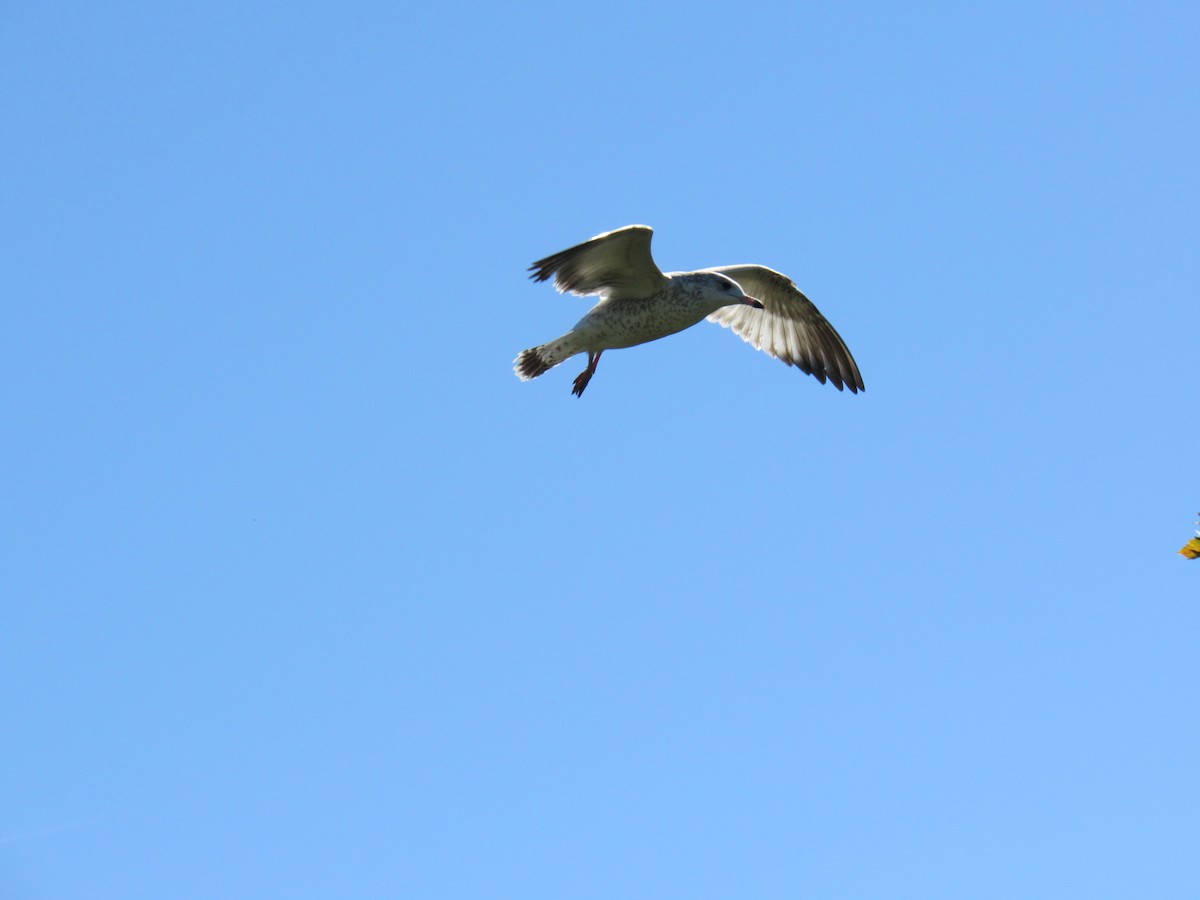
x=724, y=291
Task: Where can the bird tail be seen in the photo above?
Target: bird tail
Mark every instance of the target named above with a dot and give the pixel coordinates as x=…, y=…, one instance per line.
x=538, y=360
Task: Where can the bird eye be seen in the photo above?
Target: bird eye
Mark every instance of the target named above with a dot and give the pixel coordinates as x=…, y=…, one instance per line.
x=725, y=285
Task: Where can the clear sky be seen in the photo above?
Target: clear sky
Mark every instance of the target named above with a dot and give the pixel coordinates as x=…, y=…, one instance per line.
x=306, y=595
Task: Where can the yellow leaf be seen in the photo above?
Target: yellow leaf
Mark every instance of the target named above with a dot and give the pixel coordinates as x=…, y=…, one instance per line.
x=1191, y=549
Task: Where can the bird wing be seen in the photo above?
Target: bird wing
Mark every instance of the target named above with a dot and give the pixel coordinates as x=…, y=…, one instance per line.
x=616, y=265
x=788, y=327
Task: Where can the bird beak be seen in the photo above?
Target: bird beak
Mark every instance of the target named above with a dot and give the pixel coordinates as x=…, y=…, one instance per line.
x=750, y=301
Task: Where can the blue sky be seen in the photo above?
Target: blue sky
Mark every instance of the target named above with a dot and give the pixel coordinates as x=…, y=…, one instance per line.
x=306, y=595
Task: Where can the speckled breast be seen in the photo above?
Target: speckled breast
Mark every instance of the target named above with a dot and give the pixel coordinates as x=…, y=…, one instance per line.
x=629, y=322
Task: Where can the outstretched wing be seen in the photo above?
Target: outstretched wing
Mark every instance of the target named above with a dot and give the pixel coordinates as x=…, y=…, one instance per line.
x=616, y=265
x=788, y=327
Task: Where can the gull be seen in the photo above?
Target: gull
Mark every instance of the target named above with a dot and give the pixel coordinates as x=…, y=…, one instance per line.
x=639, y=303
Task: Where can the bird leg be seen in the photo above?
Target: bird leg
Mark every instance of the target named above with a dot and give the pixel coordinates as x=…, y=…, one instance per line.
x=586, y=375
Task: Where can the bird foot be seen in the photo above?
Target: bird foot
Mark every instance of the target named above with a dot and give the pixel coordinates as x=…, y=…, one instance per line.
x=581, y=382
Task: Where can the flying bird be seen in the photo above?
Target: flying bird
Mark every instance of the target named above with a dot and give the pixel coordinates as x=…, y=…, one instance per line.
x=640, y=303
